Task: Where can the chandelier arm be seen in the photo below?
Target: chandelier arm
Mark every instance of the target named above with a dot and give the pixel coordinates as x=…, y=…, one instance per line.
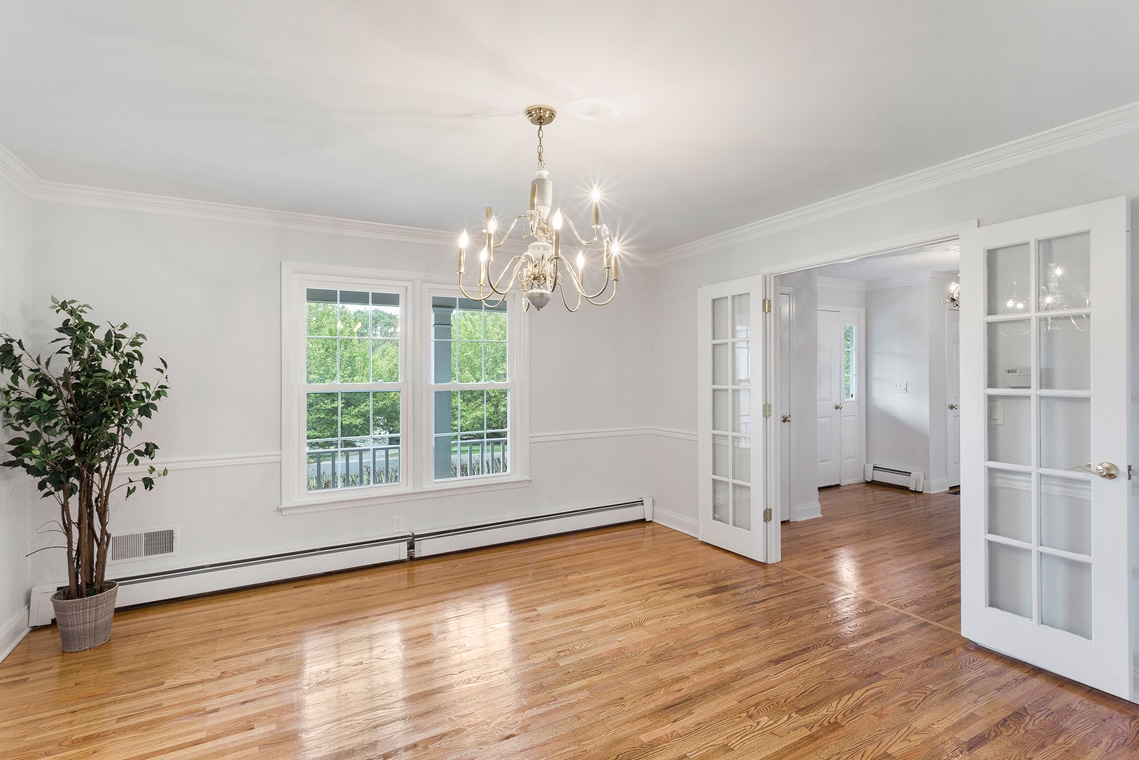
x=573, y=229
x=502, y=240
x=514, y=263
x=607, y=300
x=577, y=304
x=579, y=282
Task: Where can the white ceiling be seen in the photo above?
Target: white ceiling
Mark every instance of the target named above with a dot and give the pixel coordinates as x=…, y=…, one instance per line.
x=695, y=117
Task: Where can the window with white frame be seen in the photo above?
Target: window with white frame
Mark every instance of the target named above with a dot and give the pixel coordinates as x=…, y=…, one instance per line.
x=383, y=396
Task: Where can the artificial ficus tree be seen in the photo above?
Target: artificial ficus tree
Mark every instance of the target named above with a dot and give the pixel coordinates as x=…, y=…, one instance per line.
x=71, y=417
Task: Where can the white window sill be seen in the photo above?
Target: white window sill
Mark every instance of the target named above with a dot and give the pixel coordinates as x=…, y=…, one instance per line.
x=367, y=498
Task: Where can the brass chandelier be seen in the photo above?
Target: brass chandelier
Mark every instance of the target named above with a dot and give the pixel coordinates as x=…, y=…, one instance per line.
x=542, y=269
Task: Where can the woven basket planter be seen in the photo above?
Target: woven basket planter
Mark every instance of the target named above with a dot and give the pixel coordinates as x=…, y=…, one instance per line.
x=85, y=623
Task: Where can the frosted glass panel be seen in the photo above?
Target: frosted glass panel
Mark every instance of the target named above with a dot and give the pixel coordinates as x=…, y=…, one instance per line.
x=1010, y=429
x=1065, y=432
x=721, y=319
x=741, y=506
x=741, y=316
x=1009, y=505
x=720, y=410
x=720, y=454
x=741, y=459
x=720, y=491
x=1010, y=579
x=741, y=412
x=1066, y=514
x=721, y=353
x=1006, y=280
x=1062, y=272
x=741, y=364
x=1065, y=352
x=1066, y=595
x=1010, y=354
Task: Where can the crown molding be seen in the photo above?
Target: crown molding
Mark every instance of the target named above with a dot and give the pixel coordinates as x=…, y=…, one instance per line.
x=25, y=180
x=900, y=282
x=1077, y=134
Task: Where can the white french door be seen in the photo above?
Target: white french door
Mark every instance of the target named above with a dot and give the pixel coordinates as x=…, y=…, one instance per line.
x=731, y=422
x=829, y=397
x=1045, y=324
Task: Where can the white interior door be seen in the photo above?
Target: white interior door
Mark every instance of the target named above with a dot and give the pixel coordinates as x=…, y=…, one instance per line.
x=1045, y=323
x=829, y=417
x=851, y=449
x=731, y=429
x=953, y=398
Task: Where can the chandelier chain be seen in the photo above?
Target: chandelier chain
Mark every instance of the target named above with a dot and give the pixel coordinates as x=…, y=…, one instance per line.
x=541, y=161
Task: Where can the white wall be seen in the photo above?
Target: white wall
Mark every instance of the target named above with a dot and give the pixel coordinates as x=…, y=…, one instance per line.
x=1082, y=175
x=16, y=222
x=897, y=353
x=207, y=294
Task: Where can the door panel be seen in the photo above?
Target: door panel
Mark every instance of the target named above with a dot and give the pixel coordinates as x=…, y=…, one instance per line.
x=1045, y=325
x=829, y=398
x=731, y=433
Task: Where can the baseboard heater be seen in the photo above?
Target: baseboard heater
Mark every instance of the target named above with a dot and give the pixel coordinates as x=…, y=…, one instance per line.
x=876, y=473
x=226, y=576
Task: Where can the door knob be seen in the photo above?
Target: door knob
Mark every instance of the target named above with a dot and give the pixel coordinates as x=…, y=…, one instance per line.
x=786, y=418
x=838, y=406
x=1105, y=470
x=953, y=406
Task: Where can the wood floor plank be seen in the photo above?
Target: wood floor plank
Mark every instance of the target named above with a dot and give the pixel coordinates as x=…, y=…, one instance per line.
x=626, y=642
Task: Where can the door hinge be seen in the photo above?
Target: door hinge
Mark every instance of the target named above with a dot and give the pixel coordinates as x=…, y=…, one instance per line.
x=767, y=410
x=1129, y=472
x=767, y=306
x=767, y=515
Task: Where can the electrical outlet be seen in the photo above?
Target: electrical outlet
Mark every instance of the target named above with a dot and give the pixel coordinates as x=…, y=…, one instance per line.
x=901, y=387
x=399, y=523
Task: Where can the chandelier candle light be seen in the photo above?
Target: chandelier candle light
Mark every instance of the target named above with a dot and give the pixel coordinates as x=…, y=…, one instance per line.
x=542, y=269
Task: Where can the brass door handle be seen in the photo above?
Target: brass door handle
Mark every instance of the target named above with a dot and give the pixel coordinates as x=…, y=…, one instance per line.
x=785, y=418
x=953, y=406
x=838, y=406
x=1105, y=470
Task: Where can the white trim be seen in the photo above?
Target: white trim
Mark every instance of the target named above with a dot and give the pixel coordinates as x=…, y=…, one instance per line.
x=937, y=486
x=909, y=240
x=17, y=173
x=837, y=283
x=679, y=435
x=357, y=497
x=13, y=632
x=679, y=523
x=589, y=435
x=1077, y=134
x=207, y=462
x=806, y=512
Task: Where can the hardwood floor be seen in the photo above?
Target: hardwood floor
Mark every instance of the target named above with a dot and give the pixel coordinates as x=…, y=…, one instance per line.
x=626, y=642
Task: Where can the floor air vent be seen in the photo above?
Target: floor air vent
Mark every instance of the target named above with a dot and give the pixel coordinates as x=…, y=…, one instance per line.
x=153, y=543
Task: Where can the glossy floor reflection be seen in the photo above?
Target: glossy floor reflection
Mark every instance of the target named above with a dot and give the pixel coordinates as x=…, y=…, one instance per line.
x=627, y=642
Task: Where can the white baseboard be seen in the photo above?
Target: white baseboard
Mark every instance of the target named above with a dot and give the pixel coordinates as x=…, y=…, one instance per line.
x=677, y=522
x=806, y=512
x=13, y=633
x=937, y=486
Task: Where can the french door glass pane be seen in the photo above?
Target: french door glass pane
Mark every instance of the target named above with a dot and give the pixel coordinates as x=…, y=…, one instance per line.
x=720, y=410
x=1010, y=579
x=1063, y=272
x=741, y=363
x=741, y=411
x=1065, y=352
x=741, y=459
x=741, y=506
x=1009, y=354
x=721, y=319
x=1010, y=504
x=741, y=316
x=720, y=456
x=720, y=355
x=1065, y=432
x=1007, y=280
x=720, y=507
x=1066, y=595
x=1066, y=514
x=1009, y=429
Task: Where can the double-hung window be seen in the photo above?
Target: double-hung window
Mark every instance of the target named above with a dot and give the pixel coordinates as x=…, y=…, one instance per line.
x=394, y=386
